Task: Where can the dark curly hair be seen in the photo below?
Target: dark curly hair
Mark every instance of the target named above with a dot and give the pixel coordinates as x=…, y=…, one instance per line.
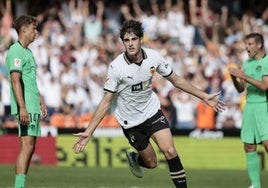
x=130, y=26
x=24, y=20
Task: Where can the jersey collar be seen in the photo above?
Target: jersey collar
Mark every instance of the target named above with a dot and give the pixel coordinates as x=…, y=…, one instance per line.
x=128, y=61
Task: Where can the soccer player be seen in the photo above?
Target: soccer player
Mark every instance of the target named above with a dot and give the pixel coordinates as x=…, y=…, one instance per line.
x=26, y=102
x=137, y=108
x=253, y=77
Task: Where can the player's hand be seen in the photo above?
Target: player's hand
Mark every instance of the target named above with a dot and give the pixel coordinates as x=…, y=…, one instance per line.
x=82, y=141
x=236, y=72
x=213, y=101
x=43, y=111
x=24, y=116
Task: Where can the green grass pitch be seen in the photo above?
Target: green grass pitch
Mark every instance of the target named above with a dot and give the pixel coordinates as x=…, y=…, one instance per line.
x=93, y=177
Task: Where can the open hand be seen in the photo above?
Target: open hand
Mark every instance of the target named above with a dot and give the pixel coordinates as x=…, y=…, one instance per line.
x=82, y=141
x=214, y=102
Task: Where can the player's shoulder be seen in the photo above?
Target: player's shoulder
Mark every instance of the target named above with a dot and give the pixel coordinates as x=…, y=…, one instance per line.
x=266, y=58
x=15, y=45
x=15, y=48
x=118, y=60
x=150, y=52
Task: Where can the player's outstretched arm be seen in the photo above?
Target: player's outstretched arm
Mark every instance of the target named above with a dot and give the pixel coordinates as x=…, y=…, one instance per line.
x=210, y=99
x=213, y=101
x=102, y=109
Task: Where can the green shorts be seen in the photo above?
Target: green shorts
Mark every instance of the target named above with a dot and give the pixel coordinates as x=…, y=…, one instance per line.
x=32, y=129
x=255, y=123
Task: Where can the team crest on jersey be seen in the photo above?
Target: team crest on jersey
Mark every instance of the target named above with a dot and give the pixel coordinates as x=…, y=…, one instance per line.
x=258, y=68
x=17, y=62
x=152, y=70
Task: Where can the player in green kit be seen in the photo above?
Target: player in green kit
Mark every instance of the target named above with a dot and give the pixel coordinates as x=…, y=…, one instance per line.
x=26, y=102
x=254, y=78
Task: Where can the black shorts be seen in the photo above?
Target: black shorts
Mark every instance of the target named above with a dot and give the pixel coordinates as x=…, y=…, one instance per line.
x=139, y=136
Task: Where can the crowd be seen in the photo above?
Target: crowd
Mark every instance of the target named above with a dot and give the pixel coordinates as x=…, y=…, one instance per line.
x=78, y=39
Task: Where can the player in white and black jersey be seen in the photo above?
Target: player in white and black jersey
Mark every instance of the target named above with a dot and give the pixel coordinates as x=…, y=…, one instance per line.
x=137, y=107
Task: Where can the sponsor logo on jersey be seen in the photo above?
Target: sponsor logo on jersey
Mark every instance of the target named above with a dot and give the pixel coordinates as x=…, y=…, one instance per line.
x=137, y=87
x=17, y=62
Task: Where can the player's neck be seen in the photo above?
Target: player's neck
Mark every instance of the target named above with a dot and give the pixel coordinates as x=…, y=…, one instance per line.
x=260, y=55
x=23, y=43
x=137, y=58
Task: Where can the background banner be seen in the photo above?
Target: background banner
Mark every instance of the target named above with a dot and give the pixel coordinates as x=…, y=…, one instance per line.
x=45, y=152
x=224, y=153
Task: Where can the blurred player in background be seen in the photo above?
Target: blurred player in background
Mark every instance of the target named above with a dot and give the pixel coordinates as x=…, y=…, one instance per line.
x=26, y=102
x=137, y=107
x=253, y=77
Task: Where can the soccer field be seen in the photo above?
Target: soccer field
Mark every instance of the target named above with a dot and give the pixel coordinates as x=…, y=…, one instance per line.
x=85, y=177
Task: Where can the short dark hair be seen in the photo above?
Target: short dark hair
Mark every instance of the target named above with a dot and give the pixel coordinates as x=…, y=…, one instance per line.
x=257, y=37
x=130, y=26
x=24, y=20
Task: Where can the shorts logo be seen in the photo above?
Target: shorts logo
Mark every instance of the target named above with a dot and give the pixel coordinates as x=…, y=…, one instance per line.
x=132, y=138
x=17, y=62
x=161, y=119
x=32, y=127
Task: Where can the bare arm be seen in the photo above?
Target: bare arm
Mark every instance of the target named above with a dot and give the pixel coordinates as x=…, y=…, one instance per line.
x=100, y=10
x=238, y=73
x=155, y=8
x=210, y=99
x=239, y=84
x=136, y=7
x=99, y=114
x=262, y=84
x=17, y=89
x=125, y=12
x=43, y=107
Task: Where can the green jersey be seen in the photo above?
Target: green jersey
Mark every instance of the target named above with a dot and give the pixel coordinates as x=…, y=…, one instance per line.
x=256, y=69
x=21, y=59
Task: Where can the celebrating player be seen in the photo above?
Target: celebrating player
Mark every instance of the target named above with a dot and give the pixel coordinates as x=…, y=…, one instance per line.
x=137, y=108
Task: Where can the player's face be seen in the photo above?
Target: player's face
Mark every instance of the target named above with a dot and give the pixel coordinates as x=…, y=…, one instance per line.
x=132, y=44
x=30, y=32
x=252, y=47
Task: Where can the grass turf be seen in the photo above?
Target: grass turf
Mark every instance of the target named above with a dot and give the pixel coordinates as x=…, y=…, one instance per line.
x=82, y=177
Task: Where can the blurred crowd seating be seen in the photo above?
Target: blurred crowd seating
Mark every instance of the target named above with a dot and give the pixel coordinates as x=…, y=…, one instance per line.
x=79, y=38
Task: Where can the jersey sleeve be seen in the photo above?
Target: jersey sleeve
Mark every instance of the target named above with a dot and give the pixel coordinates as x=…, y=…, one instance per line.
x=14, y=61
x=265, y=68
x=111, y=83
x=164, y=68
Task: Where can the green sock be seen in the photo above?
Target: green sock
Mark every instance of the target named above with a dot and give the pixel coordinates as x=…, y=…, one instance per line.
x=253, y=169
x=20, y=180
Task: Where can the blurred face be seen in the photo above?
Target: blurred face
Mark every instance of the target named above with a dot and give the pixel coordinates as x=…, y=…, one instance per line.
x=30, y=32
x=252, y=47
x=132, y=44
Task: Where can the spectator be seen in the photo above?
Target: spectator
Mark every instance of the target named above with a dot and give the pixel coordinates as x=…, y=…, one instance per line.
x=231, y=118
x=185, y=110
